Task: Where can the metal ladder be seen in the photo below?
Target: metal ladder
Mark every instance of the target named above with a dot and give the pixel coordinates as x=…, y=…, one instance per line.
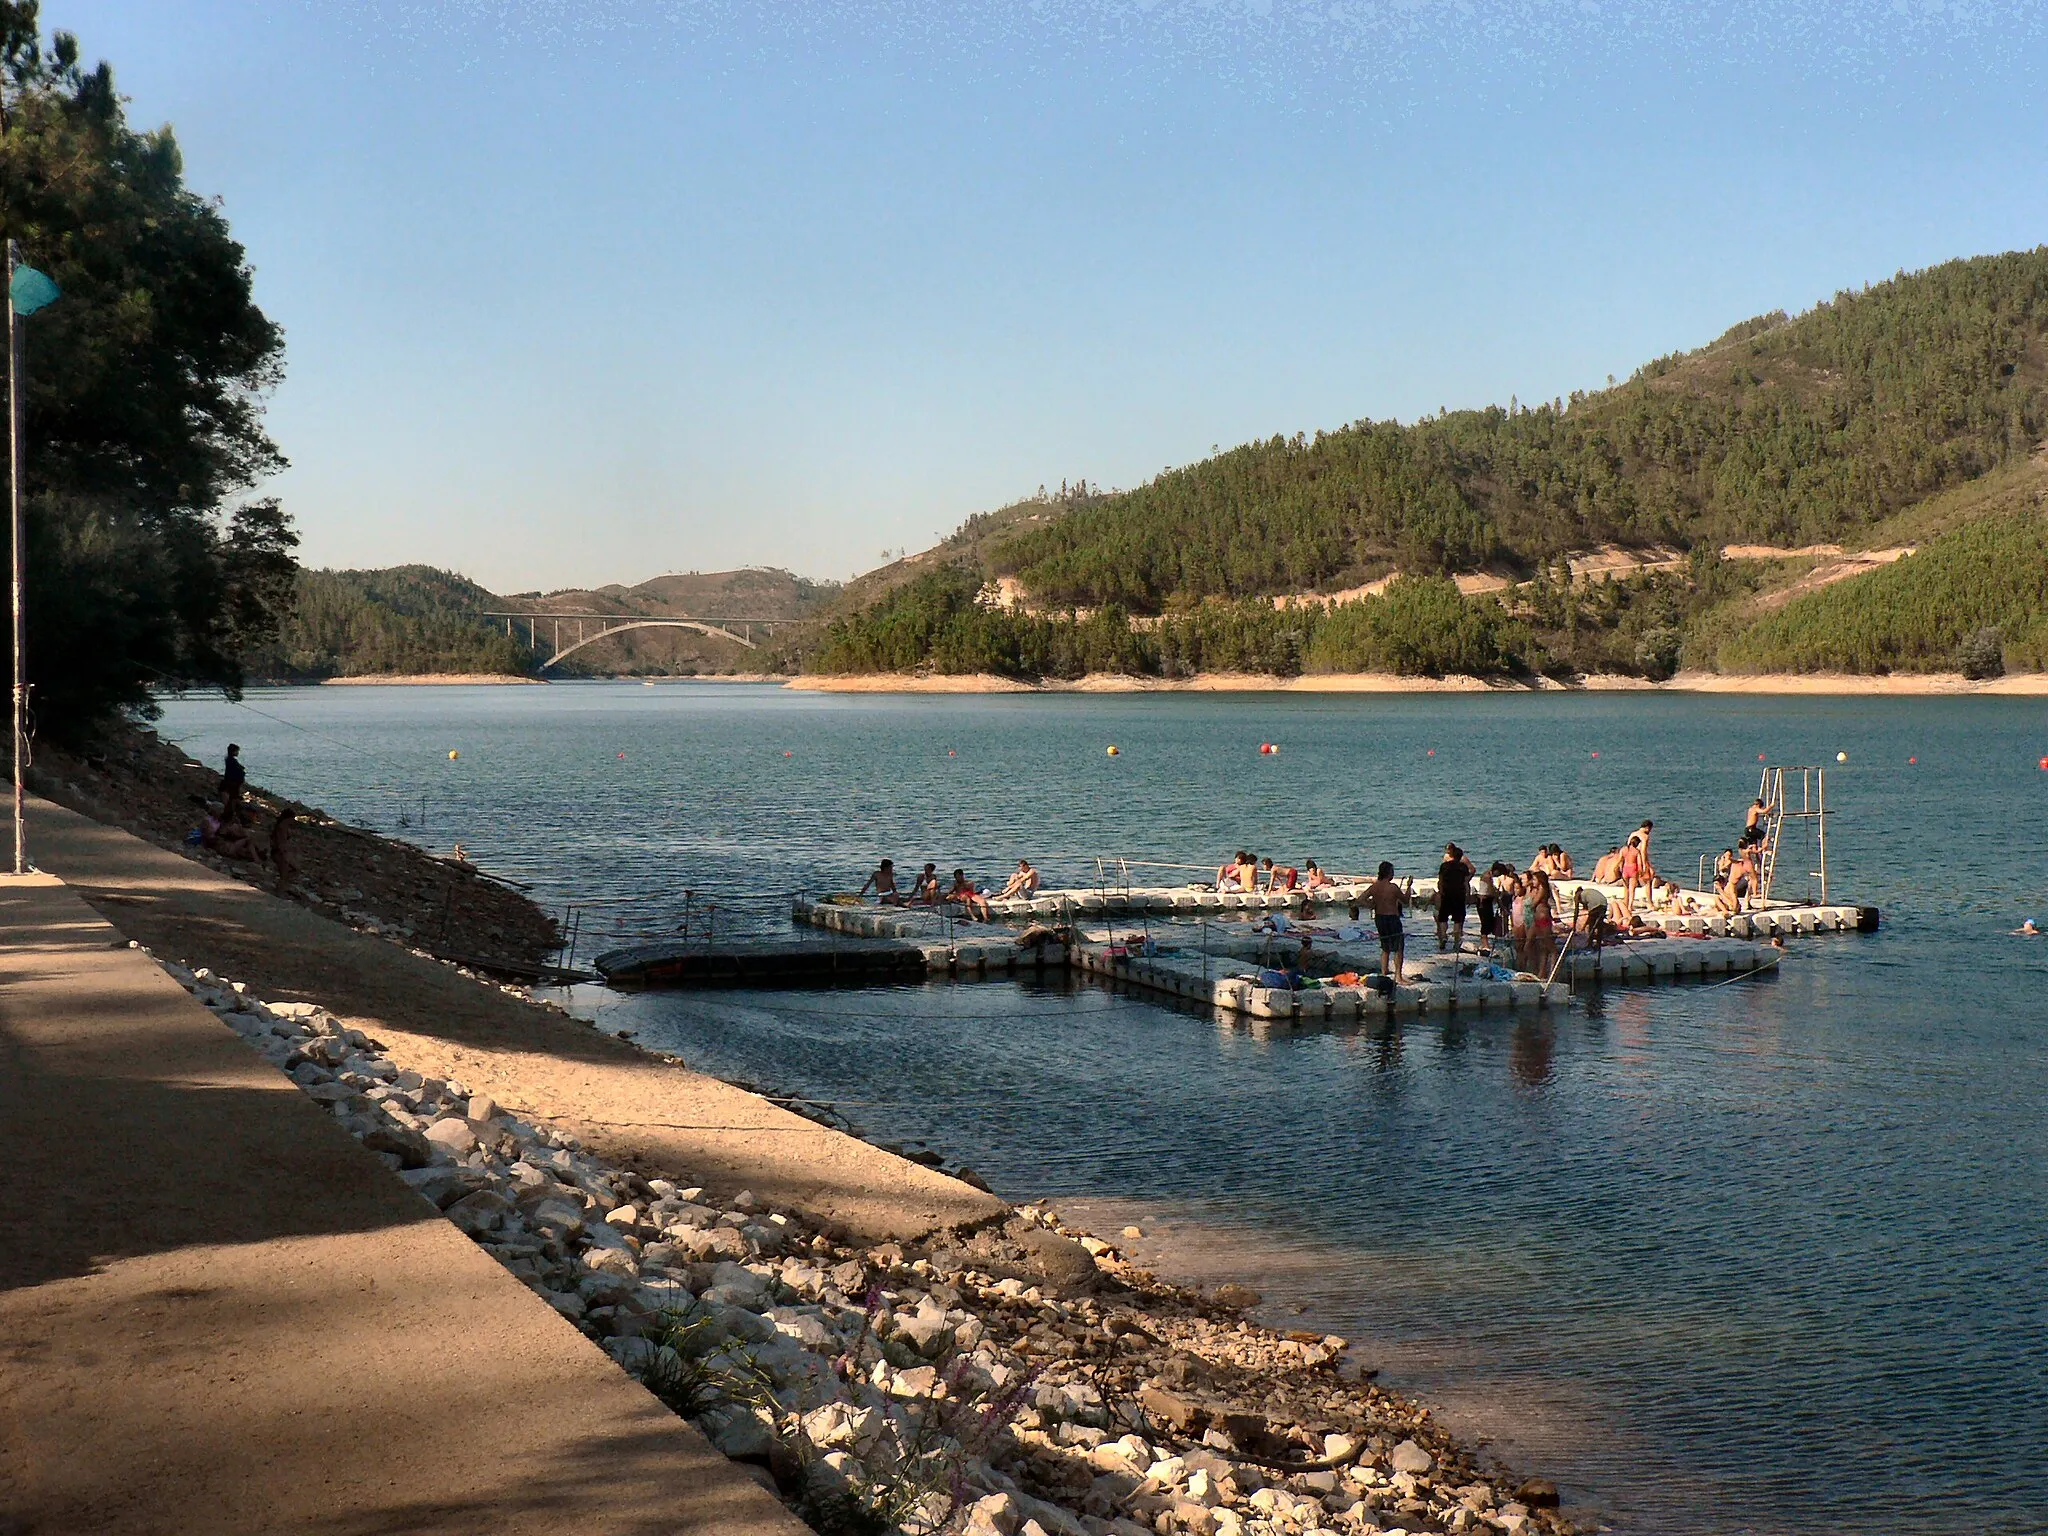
x=1811, y=815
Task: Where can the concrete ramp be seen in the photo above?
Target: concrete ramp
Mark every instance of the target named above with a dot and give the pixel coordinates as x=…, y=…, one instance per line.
x=219, y=1314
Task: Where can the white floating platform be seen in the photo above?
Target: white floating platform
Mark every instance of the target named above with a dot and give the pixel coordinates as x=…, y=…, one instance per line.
x=1210, y=968
x=1695, y=914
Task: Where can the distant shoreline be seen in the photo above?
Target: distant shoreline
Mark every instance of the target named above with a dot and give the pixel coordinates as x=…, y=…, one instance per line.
x=451, y=679
x=1896, y=685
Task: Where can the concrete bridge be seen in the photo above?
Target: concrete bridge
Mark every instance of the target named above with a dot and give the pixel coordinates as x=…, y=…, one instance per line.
x=589, y=628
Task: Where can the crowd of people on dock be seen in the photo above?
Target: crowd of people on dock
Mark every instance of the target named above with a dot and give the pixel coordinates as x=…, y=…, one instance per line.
x=1524, y=911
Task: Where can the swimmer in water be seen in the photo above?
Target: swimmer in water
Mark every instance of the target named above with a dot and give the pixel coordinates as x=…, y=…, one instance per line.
x=2029, y=929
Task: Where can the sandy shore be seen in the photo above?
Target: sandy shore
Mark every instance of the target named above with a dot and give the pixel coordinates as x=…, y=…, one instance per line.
x=1899, y=684
x=425, y=679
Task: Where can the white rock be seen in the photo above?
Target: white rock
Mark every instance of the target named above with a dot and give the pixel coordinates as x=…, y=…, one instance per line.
x=454, y=1134
x=613, y=1261
x=482, y=1107
x=997, y=1514
x=1411, y=1458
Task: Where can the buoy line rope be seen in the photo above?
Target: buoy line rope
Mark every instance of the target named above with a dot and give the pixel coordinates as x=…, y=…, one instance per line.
x=1744, y=975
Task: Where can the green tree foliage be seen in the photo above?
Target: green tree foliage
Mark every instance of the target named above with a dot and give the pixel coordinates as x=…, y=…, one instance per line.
x=1418, y=626
x=144, y=401
x=1782, y=432
x=409, y=619
x=1953, y=606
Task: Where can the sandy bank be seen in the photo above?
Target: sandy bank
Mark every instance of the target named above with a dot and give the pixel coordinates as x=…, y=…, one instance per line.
x=1107, y=682
x=1897, y=684
x=421, y=679
x=1903, y=684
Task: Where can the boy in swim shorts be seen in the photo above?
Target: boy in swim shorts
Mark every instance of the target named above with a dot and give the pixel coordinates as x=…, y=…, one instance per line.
x=1386, y=900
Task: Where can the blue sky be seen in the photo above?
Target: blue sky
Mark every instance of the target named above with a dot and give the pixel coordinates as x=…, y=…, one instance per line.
x=585, y=292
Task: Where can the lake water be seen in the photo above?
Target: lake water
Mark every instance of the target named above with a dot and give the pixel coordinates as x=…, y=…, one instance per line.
x=1761, y=1257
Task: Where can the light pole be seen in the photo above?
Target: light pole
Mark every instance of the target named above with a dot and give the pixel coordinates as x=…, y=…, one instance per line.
x=27, y=291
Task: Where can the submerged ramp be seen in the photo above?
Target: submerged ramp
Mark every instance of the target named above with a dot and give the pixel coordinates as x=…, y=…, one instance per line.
x=220, y=1314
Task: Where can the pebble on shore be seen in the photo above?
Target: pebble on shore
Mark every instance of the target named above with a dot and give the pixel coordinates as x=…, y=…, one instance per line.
x=1060, y=1390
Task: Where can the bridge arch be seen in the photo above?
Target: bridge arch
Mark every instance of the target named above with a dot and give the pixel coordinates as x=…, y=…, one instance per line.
x=618, y=629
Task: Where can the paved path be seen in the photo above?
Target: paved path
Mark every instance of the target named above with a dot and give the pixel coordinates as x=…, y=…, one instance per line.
x=219, y=1314
x=634, y=1110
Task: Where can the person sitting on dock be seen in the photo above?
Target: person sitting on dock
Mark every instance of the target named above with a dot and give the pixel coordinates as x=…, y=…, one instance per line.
x=1313, y=878
x=1279, y=877
x=883, y=883
x=924, y=892
x=1022, y=885
x=1453, y=888
x=973, y=901
x=1386, y=900
x=1607, y=868
x=1226, y=873
x=1560, y=864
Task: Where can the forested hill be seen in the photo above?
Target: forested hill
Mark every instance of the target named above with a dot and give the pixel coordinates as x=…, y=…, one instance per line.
x=1784, y=431
x=408, y=619
x=417, y=619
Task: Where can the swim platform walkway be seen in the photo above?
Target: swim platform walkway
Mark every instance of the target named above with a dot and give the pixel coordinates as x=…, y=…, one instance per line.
x=220, y=1314
x=1214, y=948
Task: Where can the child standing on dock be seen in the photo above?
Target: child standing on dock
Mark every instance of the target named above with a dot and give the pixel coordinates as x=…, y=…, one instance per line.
x=1386, y=900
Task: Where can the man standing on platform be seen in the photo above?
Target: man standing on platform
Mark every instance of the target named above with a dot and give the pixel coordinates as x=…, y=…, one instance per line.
x=1386, y=900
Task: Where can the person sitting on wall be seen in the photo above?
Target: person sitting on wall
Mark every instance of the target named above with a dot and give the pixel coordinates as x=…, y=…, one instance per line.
x=1021, y=885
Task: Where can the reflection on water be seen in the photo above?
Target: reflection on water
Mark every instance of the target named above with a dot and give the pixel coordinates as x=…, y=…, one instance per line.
x=1762, y=1256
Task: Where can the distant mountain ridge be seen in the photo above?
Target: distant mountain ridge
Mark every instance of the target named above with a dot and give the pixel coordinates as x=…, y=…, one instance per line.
x=1784, y=432
x=417, y=619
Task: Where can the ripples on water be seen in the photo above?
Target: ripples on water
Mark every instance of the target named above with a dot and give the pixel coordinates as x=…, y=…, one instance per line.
x=1770, y=1256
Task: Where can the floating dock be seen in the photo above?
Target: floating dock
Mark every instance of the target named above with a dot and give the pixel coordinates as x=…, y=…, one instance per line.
x=1776, y=918
x=1220, y=964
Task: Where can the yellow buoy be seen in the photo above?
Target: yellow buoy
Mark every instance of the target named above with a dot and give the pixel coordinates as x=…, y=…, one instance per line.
x=1113, y=752
x=453, y=755
x=1841, y=757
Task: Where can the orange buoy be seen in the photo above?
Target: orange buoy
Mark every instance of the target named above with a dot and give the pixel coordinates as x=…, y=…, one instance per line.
x=452, y=756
